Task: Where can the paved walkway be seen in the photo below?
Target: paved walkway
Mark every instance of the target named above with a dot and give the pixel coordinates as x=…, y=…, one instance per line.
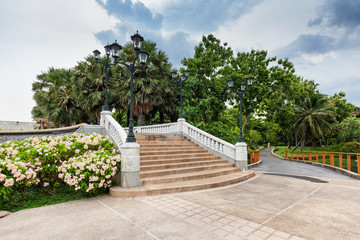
x=272, y=205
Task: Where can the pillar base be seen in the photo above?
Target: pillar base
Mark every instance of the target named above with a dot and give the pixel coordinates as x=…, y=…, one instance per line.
x=130, y=165
x=130, y=179
x=241, y=156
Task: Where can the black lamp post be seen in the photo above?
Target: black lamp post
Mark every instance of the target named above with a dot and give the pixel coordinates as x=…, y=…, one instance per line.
x=243, y=89
x=114, y=49
x=107, y=64
x=183, y=78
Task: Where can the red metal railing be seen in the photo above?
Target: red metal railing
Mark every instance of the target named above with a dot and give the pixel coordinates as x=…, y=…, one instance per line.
x=254, y=157
x=348, y=161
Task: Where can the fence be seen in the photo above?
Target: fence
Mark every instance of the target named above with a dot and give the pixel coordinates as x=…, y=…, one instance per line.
x=348, y=161
x=254, y=157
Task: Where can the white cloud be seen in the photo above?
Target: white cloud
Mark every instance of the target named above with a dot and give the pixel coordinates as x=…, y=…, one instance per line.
x=37, y=35
x=270, y=25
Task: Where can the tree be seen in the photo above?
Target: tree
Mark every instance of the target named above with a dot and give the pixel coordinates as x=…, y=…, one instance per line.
x=341, y=107
x=205, y=93
x=153, y=87
x=348, y=130
x=53, y=95
x=311, y=119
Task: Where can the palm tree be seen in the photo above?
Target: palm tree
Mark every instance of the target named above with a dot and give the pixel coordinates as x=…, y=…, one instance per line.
x=311, y=119
x=151, y=86
x=53, y=95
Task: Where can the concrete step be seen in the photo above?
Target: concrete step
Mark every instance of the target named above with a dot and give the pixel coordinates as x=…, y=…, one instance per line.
x=181, y=165
x=173, y=156
x=172, y=152
x=177, y=160
x=162, y=172
x=189, y=176
x=166, y=148
x=173, y=187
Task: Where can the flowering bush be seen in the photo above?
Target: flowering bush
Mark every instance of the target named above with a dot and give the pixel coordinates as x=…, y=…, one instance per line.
x=85, y=163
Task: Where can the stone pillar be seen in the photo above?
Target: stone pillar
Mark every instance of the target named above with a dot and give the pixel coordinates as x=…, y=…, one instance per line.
x=130, y=165
x=241, y=156
x=180, y=125
x=102, y=117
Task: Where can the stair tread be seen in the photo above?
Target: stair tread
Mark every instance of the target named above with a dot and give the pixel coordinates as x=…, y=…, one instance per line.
x=183, y=175
x=200, y=168
x=191, y=185
x=183, y=164
x=144, y=162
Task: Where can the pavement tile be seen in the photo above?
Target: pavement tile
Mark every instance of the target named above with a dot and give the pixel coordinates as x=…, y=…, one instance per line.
x=217, y=224
x=261, y=234
x=231, y=237
x=297, y=238
x=224, y=220
x=198, y=216
x=181, y=216
x=215, y=217
x=233, y=218
x=254, y=225
x=236, y=224
x=274, y=237
x=207, y=220
x=247, y=229
x=267, y=229
x=240, y=233
x=253, y=237
x=220, y=232
x=282, y=234
x=228, y=228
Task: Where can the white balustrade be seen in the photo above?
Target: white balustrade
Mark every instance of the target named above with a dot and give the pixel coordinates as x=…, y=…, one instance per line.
x=114, y=129
x=211, y=143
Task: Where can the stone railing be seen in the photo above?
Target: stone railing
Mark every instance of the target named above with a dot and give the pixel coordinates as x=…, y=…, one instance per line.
x=209, y=142
x=159, y=128
x=113, y=128
x=235, y=154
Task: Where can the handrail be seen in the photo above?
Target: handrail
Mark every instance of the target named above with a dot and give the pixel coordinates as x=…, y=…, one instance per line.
x=158, y=128
x=205, y=140
x=328, y=158
x=212, y=143
x=114, y=129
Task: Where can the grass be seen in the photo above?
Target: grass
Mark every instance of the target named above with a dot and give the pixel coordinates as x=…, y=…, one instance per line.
x=281, y=152
x=35, y=197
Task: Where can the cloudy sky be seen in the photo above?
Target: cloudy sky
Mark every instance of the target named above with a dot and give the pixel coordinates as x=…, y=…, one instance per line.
x=322, y=37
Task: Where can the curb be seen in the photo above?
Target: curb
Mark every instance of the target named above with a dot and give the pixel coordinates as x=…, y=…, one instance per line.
x=336, y=169
x=4, y=213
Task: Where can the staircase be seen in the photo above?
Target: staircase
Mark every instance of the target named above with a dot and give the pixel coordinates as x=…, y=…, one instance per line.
x=171, y=163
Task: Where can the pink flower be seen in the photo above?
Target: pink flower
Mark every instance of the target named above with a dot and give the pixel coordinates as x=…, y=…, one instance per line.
x=9, y=182
x=77, y=151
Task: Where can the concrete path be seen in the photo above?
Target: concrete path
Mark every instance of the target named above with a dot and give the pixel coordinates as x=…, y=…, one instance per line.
x=269, y=206
x=275, y=165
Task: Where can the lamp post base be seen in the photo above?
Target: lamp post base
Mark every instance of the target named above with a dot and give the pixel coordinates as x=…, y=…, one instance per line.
x=130, y=165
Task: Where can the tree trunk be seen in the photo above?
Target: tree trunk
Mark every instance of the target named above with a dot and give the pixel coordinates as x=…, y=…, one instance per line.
x=298, y=143
x=141, y=119
x=161, y=115
x=302, y=143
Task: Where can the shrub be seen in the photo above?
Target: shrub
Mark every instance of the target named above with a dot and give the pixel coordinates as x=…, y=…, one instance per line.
x=80, y=162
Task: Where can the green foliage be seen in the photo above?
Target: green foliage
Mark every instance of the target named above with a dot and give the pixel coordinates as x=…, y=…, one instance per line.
x=312, y=117
x=218, y=129
x=205, y=93
x=84, y=163
x=82, y=88
x=254, y=138
x=341, y=108
x=348, y=130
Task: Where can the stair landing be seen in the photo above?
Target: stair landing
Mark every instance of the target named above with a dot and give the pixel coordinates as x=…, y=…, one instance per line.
x=170, y=163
